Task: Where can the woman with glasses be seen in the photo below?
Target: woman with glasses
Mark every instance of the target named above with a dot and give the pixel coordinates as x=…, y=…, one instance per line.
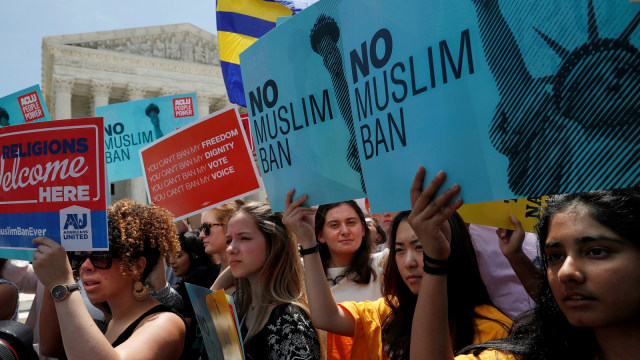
x=139, y=327
x=213, y=230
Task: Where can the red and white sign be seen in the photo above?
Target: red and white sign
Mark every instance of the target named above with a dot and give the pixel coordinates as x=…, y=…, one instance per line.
x=182, y=107
x=200, y=166
x=31, y=107
x=52, y=183
x=45, y=164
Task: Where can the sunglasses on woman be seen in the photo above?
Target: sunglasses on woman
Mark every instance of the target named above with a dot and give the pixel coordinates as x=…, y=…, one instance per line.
x=99, y=259
x=206, y=228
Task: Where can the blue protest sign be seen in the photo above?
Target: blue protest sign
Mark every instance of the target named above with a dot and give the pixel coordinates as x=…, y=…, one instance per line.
x=132, y=125
x=512, y=99
x=303, y=133
x=24, y=106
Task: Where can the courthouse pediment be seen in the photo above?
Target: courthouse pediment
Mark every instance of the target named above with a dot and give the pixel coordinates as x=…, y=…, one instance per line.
x=182, y=42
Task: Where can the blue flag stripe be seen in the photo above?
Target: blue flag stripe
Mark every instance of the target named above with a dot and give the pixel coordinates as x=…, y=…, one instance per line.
x=243, y=24
x=233, y=82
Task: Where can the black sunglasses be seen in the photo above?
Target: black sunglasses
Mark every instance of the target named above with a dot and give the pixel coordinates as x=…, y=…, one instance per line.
x=99, y=259
x=206, y=228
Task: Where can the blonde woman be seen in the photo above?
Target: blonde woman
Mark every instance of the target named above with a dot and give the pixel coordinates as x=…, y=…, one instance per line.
x=270, y=297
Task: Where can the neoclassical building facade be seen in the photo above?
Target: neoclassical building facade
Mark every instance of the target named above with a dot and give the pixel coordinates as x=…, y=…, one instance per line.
x=81, y=72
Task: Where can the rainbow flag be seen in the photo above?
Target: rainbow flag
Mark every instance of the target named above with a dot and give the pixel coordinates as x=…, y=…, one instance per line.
x=240, y=23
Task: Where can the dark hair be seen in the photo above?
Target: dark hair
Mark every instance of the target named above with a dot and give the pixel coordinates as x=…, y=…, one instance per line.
x=465, y=291
x=360, y=270
x=544, y=333
x=192, y=245
x=4, y=114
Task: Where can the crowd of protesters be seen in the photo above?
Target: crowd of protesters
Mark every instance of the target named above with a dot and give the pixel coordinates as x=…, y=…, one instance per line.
x=332, y=283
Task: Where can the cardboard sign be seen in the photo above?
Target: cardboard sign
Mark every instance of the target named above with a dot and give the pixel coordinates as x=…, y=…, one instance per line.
x=200, y=166
x=129, y=126
x=216, y=316
x=504, y=98
x=52, y=183
x=496, y=213
x=303, y=131
x=24, y=106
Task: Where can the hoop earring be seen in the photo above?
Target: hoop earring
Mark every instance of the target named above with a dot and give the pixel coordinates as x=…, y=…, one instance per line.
x=140, y=291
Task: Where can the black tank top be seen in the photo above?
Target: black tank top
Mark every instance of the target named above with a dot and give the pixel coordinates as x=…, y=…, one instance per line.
x=129, y=330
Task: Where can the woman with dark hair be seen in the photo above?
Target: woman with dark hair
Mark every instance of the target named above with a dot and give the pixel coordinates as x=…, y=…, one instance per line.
x=270, y=299
x=380, y=329
x=345, y=249
x=193, y=266
x=191, y=255
x=588, y=303
x=353, y=273
x=377, y=236
x=139, y=327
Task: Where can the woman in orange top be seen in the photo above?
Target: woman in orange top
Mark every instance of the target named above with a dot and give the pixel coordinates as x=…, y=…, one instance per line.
x=381, y=328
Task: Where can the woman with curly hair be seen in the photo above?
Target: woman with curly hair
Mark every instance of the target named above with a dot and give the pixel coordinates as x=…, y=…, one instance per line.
x=380, y=329
x=139, y=327
x=270, y=296
x=588, y=303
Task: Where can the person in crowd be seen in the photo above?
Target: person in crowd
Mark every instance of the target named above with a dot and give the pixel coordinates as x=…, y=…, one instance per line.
x=213, y=230
x=385, y=220
x=352, y=271
x=493, y=249
x=139, y=327
x=193, y=265
x=377, y=236
x=587, y=304
x=270, y=296
x=380, y=329
x=344, y=245
x=191, y=255
x=9, y=297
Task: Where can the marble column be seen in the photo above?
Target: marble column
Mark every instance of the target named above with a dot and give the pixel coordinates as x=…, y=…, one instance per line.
x=166, y=91
x=204, y=103
x=99, y=92
x=135, y=92
x=63, y=86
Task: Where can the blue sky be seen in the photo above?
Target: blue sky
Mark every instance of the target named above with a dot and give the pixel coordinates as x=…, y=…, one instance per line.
x=25, y=22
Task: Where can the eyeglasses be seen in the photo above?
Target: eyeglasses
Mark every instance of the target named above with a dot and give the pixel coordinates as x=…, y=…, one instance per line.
x=206, y=228
x=99, y=259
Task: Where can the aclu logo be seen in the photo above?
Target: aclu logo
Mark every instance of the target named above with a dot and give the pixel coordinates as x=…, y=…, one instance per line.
x=75, y=228
x=31, y=107
x=182, y=107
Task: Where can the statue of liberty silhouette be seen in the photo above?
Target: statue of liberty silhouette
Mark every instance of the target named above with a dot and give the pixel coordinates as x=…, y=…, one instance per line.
x=559, y=132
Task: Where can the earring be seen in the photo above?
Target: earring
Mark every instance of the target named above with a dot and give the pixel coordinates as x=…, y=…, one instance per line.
x=139, y=291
